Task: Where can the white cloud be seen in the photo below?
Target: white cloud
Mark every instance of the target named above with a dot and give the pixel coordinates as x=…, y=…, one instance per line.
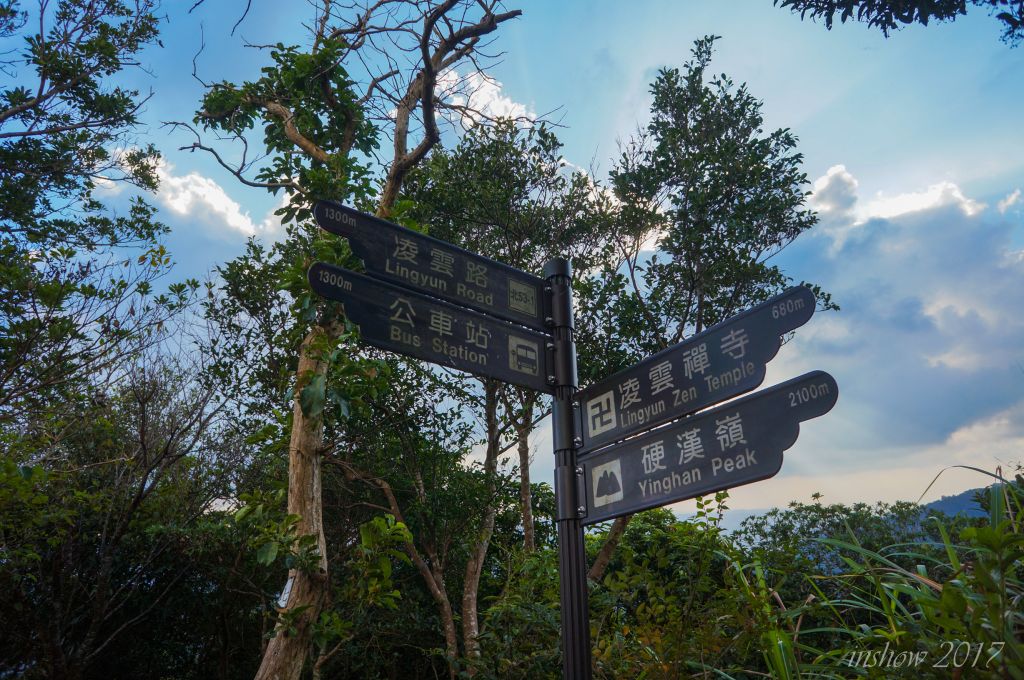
x=476, y=95
x=1011, y=199
x=108, y=187
x=937, y=195
x=842, y=215
x=835, y=192
x=478, y=92
x=833, y=197
x=201, y=198
x=904, y=473
x=989, y=443
x=926, y=350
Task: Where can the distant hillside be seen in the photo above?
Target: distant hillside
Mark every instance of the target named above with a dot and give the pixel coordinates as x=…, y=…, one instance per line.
x=962, y=503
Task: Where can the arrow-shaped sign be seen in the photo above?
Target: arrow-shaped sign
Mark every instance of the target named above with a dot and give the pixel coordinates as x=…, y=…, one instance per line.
x=712, y=366
x=396, y=319
x=731, y=445
x=414, y=260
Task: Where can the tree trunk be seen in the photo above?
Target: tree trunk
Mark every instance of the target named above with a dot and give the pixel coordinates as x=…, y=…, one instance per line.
x=523, y=429
x=286, y=652
x=596, y=572
x=475, y=564
x=433, y=574
x=451, y=635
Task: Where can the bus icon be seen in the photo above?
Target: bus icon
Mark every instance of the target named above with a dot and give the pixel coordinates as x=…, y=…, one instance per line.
x=523, y=355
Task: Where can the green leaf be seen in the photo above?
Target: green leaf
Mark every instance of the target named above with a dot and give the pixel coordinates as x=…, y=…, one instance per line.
x=267, y=553
x=311, y=399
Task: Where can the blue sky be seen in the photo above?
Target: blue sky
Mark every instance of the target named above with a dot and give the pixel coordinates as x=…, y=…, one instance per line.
x=914, y=150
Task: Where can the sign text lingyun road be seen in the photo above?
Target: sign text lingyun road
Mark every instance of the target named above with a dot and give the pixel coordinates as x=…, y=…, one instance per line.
x=731, y=445
x=712, y=366
x=440, y=269
x=402, y=321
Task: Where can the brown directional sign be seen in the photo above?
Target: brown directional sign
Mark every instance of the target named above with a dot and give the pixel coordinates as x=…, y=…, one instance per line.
x=725, y=360
x=437, y=268
x=728, y=446
x=396, y=319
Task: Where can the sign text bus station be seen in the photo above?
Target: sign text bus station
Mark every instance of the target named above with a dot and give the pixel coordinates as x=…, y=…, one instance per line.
x=410, y=323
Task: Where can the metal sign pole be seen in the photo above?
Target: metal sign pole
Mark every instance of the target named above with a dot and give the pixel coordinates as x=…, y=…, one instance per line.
x=572, y=563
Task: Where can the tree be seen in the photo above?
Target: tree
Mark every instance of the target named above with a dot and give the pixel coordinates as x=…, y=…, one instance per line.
x=92, y=524
x=665, y=606
x=375, y=64
x=409, y=453
x=75, y=278
x=504, y=192
x=501, y=192
x=890, y=15
x=718, y=197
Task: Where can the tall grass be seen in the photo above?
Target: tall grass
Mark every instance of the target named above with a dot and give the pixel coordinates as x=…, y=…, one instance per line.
x=953, y=609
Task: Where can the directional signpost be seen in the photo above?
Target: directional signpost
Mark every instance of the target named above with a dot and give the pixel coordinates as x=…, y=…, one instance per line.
x=723, y=361
x=728, y=446
x=414, y=260
x=434, y=301
x=409, y=323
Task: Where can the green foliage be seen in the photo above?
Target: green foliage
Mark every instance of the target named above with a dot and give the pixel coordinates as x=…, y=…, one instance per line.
x=369, y=586
x=781, y=536
x=380, y=541
x=313, y=395
x=890, y=15
x=716, y=194
x=664, y=607
x=272, y=533
x=95, y=525
x=74, y=299
x=315, y=89
x=23, y=509
x=951, y=589
x=504, y=191
x=316, y=140
x=521, y=622
x=261, y=314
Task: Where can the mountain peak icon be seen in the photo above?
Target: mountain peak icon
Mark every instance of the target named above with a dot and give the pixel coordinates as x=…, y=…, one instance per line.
x=607, y=485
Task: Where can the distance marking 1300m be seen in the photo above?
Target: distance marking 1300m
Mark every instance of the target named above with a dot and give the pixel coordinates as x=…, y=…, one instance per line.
x=420, y=262
x=396, y=319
